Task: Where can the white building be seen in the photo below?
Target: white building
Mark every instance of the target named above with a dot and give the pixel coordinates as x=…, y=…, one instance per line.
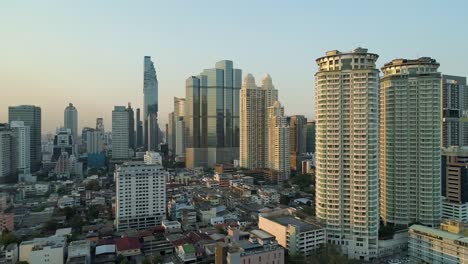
x=346, y=115
x=296, y=235
x=152, y=157
x=70, y=120
x=410, y=186
x=120, y=135
x=9, y=254
x=140, y=195
x=93, y=140
x=44, y=250
x=22, y=136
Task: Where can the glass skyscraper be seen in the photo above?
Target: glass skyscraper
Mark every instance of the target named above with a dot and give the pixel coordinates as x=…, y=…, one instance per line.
x=212, y=115
x=150, y=105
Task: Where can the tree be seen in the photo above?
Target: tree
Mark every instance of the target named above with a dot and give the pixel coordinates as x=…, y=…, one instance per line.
x=157, y=259
x=8, y=238
x=69, y=212
x=93, y=185
x=92, y=213
x=76, y=222
x=50, y=226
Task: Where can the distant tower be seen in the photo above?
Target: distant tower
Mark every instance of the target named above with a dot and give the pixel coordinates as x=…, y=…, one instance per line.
x=278, y=140
x=22, y=140
x=100, y=124
x=139, y=129
x=150, y=105
x=8, y=155
x=297, y=140
x=70, y=120
x=131, y=127
x=31, y=117
x=410, y=154
x=346, y=114
x=120, y=128
x=310, y=137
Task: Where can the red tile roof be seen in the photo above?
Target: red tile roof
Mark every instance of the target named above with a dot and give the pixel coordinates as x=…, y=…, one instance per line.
x=127, y=243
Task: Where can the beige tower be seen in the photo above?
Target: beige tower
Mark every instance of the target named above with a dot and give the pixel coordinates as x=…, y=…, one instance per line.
x=346, y=114
x=278, y=140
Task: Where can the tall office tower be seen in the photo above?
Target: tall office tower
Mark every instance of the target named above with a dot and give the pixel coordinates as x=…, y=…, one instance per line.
x=278, y=140
x=454, y=111
x=131, y=127
x=212, y=116
x=346, y=116
x=100, y=124
x=410, y=142
x=8, y=155
x=120, y=136
x=150, y=105
x=297, y=140
x=455, y=183
x=139, y=129
x=23, y=145
x=92, y=138
x=170, y=132
x=31, y=116
x=70, y=120
x=140, y=195
x=310, y=136
x=252, y=125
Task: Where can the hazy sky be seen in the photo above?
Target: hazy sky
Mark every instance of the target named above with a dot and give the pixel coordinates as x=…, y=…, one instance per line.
x=91, y=52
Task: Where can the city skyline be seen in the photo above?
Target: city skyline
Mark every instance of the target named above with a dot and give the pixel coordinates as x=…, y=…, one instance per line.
x=81, y=61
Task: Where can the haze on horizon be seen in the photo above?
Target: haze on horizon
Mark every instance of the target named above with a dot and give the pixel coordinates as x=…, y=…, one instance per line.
x=91, y=53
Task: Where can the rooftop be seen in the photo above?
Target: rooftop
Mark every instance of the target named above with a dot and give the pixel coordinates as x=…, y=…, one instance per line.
x=127, y=243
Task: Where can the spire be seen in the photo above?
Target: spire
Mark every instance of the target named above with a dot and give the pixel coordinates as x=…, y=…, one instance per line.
x=249, y=82
x=267, y=83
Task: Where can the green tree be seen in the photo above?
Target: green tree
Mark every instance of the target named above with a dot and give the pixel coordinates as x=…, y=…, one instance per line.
x=8, y=238
x=50, y=226
x=76, y=222
x=69, y=212
x=93, y=185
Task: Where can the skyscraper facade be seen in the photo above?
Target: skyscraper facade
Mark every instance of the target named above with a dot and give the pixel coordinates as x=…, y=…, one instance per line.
x=410, y=142
x=131, y=127
x=8, y=155
x=23, y=146
x=310, y=137
x=31, y=117
x=278, y=141
x=212, y=116
x=100, y=124
x=139, y=129
x=254, y=121
x=297, y=141
x=70, y=120
x=176, y=128
x=454, y=111
x=120, y=136
x=170, y=132
x=252, y=125
x=346, y=116
x=150, y=105
x=92, y=138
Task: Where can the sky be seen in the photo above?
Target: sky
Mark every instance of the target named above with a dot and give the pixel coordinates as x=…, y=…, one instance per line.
x=90, y=53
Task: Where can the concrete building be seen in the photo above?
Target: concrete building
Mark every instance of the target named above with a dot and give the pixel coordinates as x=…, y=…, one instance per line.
x=176, y=128
x=409, y=164
x=310, y=136
x=70, y=120
x=63, y=143
x=92, y=138
x=212, y=116
x=22, y=140
x=454, y=171
x=79, y=252
x=297, y=141
x=139, y=129
x=9, y=254
x=254, y=103
x=7, y=221
x=447, y=245
x=260, y=248
x=150, y=106
x=346, y=116
x=278, y=142
x=153, y=158
x=43, y=250
x=120, y=136
x=296, y=235
x=454, y=111
x=31, y=117
x=100, y=125
x=8, y=155
x=140, y=195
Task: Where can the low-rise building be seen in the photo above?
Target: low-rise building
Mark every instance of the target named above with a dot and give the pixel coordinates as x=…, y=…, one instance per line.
x=296, y=235
x=447, y=245
x=172, y=226
x=9, y=254
x=44, y=250
x=79, y=252
x=154, y=242
x=222, y=179
x=7, y=221
x=205, y=213
x=128, y=246
x=105, y=254
x=186, y=253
